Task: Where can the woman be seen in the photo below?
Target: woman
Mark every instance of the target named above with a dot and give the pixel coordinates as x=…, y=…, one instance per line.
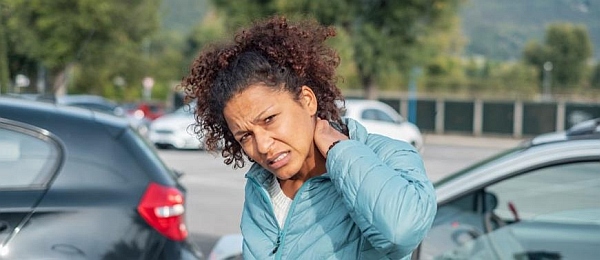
x=320, y=187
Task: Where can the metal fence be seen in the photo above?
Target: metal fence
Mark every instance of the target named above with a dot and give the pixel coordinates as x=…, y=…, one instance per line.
x=492, y=117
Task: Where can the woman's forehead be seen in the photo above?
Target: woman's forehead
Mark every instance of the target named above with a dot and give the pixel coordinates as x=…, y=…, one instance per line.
x=260, y=91
x=255, y=98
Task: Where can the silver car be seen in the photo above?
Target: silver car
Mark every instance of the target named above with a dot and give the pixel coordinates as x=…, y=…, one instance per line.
x=536, y=201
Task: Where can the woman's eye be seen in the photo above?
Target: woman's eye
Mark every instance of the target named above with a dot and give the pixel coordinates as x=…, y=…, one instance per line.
x=269, y=119
x=244, y=137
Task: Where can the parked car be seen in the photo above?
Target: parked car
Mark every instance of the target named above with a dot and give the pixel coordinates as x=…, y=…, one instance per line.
x=536, y=201
x=104, y=105
x=148, y=110
x=174, y=130
x=380, y=118
x=79, y=184
x=97, y=103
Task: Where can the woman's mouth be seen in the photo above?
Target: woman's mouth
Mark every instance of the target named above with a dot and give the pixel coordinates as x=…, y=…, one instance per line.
x=279, y=161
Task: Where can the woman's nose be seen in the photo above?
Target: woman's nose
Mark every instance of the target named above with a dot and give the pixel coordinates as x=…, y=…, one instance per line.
x=264, y=141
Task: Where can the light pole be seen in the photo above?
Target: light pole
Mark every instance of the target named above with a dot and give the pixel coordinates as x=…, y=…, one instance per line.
x=547, y=81
x=412, y=94
x=147, y=83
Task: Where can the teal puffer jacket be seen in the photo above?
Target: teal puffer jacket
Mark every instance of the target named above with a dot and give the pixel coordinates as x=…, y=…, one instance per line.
x=374, y=202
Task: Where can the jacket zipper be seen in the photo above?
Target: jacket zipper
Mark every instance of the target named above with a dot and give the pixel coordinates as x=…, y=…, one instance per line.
x=276, y=244
x=279, y=243
x=266, y=196
x=280, y=238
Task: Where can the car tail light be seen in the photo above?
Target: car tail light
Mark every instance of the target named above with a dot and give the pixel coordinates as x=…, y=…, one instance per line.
x=163, y=209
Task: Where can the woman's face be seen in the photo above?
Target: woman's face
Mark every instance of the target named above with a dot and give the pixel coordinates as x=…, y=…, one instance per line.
x=274, y=129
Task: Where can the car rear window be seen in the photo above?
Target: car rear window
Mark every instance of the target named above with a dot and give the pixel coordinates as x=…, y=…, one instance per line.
x=26, y=159
x=152, y=156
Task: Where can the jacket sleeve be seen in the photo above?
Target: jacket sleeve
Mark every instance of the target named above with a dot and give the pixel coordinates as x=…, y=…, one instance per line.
x=384, y=185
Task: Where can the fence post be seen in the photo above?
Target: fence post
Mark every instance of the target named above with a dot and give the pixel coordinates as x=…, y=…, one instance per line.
x=477, y=117
x=440, y=112
x=560, y=115
x=518, y=119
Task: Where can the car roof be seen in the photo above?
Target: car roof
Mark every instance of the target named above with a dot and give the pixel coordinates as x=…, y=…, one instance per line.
x=77, y=98
x=360, y=103
x=353, y=107
x=363, y=102
x=580, y=142
x=589, y=129
x=21, y=109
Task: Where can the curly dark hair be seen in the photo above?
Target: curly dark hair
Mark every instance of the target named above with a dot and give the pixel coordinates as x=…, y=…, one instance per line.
x=275, y=52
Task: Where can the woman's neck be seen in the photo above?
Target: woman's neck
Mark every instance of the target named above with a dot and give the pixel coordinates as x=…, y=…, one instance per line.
x=313, y=166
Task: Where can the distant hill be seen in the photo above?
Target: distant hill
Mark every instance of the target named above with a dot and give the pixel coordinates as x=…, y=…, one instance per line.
x=495, y=28
x=500, y=28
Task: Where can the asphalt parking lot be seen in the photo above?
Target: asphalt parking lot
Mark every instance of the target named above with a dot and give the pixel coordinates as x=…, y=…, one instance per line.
x=446, y=154
x=472, y=141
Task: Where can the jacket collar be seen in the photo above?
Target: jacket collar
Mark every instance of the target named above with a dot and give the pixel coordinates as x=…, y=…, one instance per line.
x=357, y=131
x=263, y=177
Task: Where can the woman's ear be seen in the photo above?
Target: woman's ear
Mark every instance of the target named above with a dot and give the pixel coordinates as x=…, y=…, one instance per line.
x=309, y=100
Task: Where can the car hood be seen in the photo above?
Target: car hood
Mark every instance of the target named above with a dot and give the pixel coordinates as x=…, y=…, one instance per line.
x=173, y=121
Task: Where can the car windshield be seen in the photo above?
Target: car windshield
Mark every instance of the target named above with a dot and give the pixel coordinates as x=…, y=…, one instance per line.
x=185, y=109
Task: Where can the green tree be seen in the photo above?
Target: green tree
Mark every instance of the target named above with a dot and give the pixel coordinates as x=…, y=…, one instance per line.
x=84, y=43
x=4, y=72
x=595, y=81
x=242, y=12
x=568, y=47
x=210, y=30
x=387, y=37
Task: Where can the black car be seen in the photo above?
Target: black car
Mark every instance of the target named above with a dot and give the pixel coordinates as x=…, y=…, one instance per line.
x=78, y=184
x=536, y=201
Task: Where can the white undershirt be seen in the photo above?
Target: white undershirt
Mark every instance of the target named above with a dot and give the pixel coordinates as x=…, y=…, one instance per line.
x=281, y=202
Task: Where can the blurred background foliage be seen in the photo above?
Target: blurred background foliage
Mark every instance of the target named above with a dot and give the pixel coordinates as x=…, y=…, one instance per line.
x=472, y=48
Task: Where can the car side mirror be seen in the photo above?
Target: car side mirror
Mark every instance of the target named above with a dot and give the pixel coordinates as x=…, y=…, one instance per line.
x=119, y=111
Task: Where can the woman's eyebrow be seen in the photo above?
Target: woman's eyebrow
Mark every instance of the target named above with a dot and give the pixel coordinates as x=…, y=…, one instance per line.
x=261, y=115
x=256, y=120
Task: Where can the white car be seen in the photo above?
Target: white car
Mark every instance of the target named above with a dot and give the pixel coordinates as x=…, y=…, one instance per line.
x=175, y=130
x=380, y=118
